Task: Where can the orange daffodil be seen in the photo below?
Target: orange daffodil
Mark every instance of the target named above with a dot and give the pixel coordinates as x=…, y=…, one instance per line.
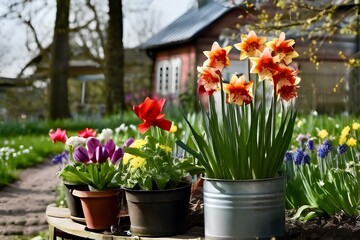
x=269, y=60
x=210, y=73
x=251, y=45
x=217, y=56
x=265, y=65
x=209, y=80
x=238, y=91
x=283, y=49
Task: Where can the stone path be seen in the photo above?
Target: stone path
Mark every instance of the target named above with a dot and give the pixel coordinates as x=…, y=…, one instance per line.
x=23, y=203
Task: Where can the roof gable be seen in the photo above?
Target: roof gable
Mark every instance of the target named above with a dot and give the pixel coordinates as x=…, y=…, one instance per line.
x=187, y=26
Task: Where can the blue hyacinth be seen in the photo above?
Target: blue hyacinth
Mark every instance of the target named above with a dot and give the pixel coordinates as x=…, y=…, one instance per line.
x=289, y=156
x=306, y=159
x=299, y=156
x=322, y=151
x=342, y=149
x=60, y=158
x=310, y=145
x=327, y=145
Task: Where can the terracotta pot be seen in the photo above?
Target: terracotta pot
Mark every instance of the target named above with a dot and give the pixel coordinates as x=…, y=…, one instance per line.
x=73, y=202
x=101, y=208
x=158, y=212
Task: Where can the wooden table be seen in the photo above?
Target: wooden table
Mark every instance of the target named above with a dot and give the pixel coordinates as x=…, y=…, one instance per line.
x=61, y=226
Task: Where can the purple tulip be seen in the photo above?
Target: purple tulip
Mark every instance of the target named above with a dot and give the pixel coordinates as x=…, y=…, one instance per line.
x=101, y=154
x=81, y=155
x=118, y=154
x=92, y=144
x=110, y=147
x=128, y=142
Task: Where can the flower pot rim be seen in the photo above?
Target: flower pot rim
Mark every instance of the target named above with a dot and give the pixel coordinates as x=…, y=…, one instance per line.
x=65, y=182
x=186, y=185
x=244, y=180
x=109, y=192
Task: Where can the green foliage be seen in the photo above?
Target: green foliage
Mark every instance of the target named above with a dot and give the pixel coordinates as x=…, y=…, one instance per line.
x=150, y=164
x=329, y=181
x=243, y=142
x=21, y=152
x=41, y=127
x=100, y=176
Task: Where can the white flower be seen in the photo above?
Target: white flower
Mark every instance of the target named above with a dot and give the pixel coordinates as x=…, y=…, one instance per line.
x=122, y=127
x=73, y=142
x=133, y=127
x=105, y=135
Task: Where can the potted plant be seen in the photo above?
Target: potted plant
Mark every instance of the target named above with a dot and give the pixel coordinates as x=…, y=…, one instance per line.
x=243, y=145
x=157, y=190
x=70, y=143
x=97, y=165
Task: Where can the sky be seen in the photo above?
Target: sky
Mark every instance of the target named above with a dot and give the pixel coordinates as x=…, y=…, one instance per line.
x=14, y=53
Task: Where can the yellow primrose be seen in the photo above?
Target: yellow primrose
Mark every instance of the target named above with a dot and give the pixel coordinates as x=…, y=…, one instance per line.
x=345, y=131
x=138, y=143
x=137, y=162
x=173, y=128
x=127, y=157
x=342, y=139
x=164, y=147
x=299, y=123
x=323, y=134
x=351, y=142
x=355, y=125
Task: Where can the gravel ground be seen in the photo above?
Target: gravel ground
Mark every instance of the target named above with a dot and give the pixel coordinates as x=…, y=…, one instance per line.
x=23, y=203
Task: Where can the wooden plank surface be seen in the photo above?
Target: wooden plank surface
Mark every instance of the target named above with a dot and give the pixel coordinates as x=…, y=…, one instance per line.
x=59, y=219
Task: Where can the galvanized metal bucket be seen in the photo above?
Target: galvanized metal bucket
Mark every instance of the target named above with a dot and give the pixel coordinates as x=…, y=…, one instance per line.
x=244, y=209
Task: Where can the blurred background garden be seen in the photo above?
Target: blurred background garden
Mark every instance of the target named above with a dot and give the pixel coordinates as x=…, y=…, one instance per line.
x=84, y=64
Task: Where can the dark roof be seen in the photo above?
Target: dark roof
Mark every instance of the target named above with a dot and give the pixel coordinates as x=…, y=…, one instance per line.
x=12, y=82
x=187, y=26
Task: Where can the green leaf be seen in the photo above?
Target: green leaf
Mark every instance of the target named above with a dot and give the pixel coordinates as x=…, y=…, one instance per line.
x=136, y=152
x=300, y=211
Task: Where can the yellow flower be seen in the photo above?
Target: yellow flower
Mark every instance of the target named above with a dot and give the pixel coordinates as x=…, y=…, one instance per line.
x=127, y=157
x=323, y=134
x=355, y=125
x=345, y=131
x=173, y=128
x=351, y=142
x=299, y=123
x=342, y=139
x=138, y=143
x=165, y=148
x=137, y=162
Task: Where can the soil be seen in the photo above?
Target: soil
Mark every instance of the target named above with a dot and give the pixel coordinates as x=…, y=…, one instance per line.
x=23, y=205
x=337, y=227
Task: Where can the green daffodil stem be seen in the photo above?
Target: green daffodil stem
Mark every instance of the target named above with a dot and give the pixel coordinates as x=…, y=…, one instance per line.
x=274, y=115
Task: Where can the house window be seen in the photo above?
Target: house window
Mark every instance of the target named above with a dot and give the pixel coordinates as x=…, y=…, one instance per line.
x=176, y=70
x=168, y=77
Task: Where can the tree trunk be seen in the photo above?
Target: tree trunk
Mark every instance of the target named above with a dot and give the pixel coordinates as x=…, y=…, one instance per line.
x=114, y=59
x=59, y=71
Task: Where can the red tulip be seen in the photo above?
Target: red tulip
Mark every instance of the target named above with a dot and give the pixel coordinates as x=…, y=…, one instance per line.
x=150, y=113
x=58, y=135
x=87, y=132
